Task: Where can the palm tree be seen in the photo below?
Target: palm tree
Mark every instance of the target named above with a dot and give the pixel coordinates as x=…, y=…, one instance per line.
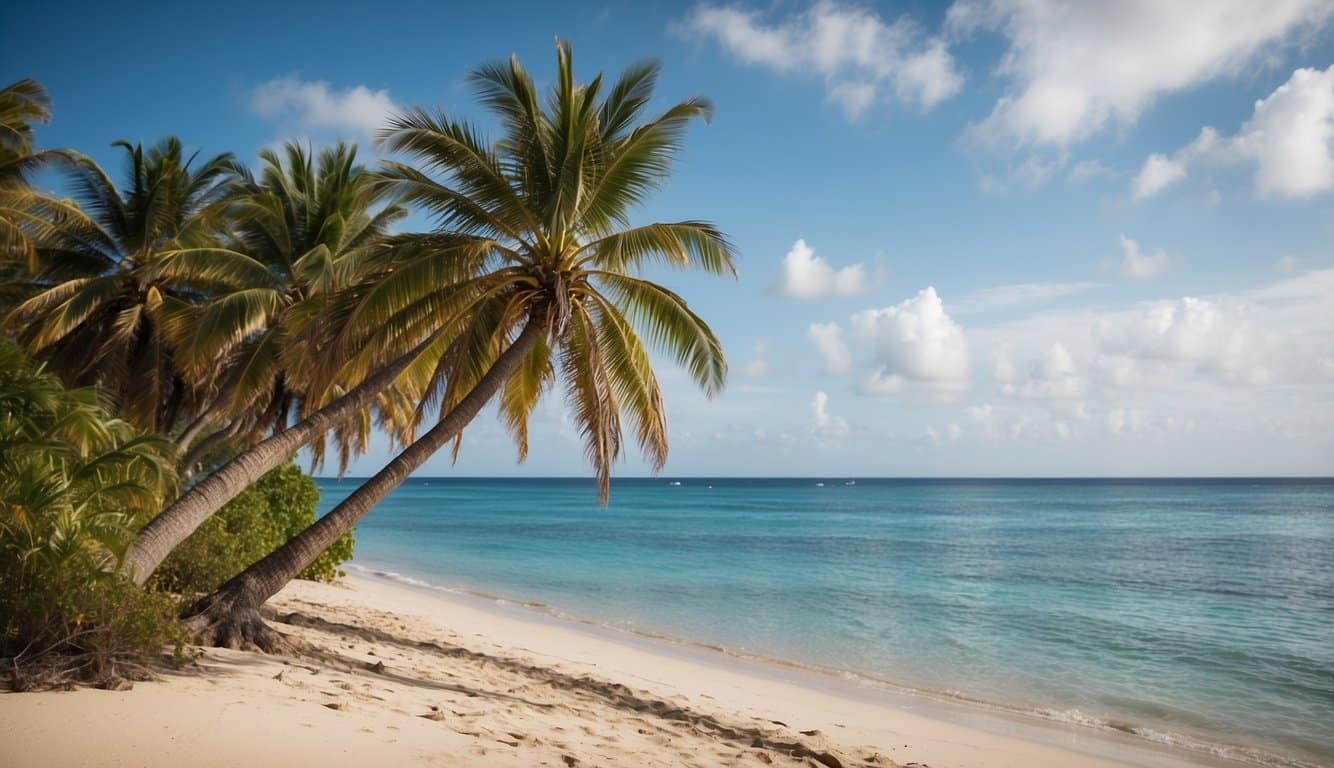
x=21, y=105
x=99, y=312
x=301, y=233
x=541, y=219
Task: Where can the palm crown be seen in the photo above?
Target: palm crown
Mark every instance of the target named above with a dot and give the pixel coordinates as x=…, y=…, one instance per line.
x=99, y=311
x=535, y=228
x=300, y=234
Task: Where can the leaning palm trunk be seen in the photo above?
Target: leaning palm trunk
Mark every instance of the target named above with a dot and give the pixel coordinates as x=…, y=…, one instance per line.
x=230, y=615
x=174, y=524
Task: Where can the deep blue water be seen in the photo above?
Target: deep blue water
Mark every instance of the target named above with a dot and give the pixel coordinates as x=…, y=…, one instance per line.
x=1195, y=607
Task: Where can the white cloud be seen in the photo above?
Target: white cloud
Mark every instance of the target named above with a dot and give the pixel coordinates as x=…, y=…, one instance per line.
x=1289, y=138
x=1075, y=67
x=827, y=425
x=828, y=340
x=1085, y=170
x=758, y=366
x=803, y=275
x=859, y=54
x=1158, y=173
x=316, y=106
x=1053, y=377
x=1138, y=264
x=913, y=342
x=950, y=434
x=853, y=98
x=1003, y=297
x=1216, y=338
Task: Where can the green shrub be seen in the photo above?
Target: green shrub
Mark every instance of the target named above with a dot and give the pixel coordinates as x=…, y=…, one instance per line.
x=258, y=521
x=75, y=484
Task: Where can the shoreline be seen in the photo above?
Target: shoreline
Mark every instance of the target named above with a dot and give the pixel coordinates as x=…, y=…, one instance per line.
x=406, y=673
x=1041, y=724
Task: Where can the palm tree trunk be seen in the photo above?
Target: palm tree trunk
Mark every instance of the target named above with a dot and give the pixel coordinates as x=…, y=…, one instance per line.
x=205, y=419
x=202, y=448
x=174, y=524
x=230, y=615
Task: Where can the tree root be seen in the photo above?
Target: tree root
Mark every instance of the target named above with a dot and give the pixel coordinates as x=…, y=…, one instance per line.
x=228, y=620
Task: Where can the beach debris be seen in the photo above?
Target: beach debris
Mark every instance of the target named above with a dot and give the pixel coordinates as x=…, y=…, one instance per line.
x=115, y=683
x=279, y=676
x=333, y=705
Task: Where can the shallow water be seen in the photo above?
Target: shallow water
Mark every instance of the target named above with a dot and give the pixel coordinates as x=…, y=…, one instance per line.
x=1193, y=610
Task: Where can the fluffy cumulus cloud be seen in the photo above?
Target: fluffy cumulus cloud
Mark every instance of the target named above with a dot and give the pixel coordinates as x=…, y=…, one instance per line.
x=803, y=275
x=317, y=107
x=825, y=424
x=1137, y=263
x=1289, y=139
x=1158, y=173
x=1053, y=377
x=1212, y=336
x=1076, y=67
x=913, y=343
x=860, y=55
x=834, y=354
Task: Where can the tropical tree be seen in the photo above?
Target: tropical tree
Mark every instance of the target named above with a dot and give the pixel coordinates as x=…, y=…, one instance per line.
x=74, y=484
x=300, y=233
x=539, y=223
x=21, y=105
x=99, y=309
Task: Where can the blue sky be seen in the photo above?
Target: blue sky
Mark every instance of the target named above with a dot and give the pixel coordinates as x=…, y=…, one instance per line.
x=981, y=238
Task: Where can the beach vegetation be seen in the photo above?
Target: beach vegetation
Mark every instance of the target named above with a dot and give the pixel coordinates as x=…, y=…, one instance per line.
x=531, y=281
x=75, y=483
x=250, y=526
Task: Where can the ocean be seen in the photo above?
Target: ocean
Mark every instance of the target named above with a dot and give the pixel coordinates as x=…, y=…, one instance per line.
x=1199, y=612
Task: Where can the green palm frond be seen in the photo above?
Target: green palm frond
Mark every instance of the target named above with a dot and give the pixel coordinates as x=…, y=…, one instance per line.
x=669, y=323
x=548, y=204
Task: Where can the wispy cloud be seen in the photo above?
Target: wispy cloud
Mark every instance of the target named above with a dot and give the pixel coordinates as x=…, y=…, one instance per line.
x=1003, y=297
x=861, y=56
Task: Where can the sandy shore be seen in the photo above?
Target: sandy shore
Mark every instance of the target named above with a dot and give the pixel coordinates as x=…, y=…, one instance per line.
x=395, y=675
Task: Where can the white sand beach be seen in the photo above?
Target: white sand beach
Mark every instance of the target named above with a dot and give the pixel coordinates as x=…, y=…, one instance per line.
x=391, y=674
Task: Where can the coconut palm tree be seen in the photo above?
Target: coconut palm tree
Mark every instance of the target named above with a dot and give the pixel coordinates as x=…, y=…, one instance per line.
x=22, y=104
x=300, y=234
x=541, y=218
x=99, y=310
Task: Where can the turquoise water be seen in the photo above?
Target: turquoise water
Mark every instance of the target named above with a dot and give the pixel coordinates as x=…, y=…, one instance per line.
x=1200, y=610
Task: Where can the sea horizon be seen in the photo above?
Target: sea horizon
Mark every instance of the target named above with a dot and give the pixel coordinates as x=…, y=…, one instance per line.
x=908, y=478
x=1039, y=595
